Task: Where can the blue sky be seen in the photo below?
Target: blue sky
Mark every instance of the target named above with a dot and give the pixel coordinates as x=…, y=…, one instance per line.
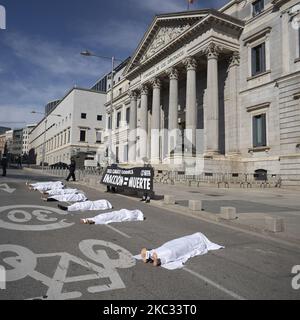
x=39, y=50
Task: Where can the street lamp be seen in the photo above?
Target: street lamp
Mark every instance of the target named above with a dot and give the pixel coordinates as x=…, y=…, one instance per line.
x=87, y=53
x=45, y=133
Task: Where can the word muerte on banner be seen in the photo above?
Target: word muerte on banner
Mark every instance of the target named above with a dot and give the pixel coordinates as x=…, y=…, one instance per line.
x=136, y=179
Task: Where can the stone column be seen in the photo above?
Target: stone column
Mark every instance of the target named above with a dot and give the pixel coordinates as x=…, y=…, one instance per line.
x=211, y=112
x=231, y=108
x=155, y=121
x=191, y=105
x=132, y=128
x=143, y=132
x=173, y=111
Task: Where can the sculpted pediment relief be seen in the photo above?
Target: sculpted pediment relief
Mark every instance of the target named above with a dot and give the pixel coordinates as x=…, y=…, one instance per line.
x=164, y=36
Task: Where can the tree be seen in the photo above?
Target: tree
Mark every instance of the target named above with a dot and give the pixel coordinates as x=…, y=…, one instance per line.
x=32, y=156
x=5, y=149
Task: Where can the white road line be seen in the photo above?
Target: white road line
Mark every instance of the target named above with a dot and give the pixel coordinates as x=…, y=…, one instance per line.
x=214, y=284
x=118, y=231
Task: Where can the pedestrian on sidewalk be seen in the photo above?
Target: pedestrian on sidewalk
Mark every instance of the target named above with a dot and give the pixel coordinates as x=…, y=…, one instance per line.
x=4, y=165
x=72, y=169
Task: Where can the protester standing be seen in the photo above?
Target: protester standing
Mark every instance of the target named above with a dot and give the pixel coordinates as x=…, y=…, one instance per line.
x=72, y=169
x=4, y=165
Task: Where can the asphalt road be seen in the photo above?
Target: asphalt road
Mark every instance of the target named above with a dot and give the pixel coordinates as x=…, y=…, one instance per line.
x=48, y=254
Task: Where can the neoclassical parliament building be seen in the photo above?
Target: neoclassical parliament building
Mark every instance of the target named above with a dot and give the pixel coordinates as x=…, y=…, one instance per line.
x=226, y=81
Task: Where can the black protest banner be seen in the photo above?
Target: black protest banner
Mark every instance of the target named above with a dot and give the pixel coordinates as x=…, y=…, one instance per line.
x=138, y=179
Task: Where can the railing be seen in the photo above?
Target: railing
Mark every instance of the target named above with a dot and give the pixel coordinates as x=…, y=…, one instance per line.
x=243, y=180
x=81, y=174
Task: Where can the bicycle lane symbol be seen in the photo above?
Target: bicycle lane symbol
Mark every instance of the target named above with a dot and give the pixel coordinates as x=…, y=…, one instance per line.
x=23, y=263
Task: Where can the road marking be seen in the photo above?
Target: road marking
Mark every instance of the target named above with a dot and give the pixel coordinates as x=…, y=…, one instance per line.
x=20, y=215
x=214, y=284
x=24, y=264
x=6, y=188
x=118, y=231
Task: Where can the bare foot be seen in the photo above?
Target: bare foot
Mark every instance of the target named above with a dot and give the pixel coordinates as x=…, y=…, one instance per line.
x=144, y=255
x=156, y=260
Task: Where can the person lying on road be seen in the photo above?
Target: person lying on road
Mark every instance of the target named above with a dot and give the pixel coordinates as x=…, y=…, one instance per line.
x=87, y=206
x=175, y=253
x=73, y=197
x=122, y=215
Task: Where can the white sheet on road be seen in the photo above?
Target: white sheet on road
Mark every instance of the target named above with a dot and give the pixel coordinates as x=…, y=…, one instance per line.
x=75, y=197
x=118, y=216
x=90, y=206
x=175, y=253
x=56, y=192
x=44, y=186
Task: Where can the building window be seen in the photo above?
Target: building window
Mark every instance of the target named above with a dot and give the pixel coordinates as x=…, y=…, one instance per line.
x=82, y=135
x=127, y=115
x=259, y=131
x=117, y=155
x=109, y=123
x=83, y=116
x=257, y=7
x=119, y=114
x=98, y=136
x=99, y=118
x=258, y=59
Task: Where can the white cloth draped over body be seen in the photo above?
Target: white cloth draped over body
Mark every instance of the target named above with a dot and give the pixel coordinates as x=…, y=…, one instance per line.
x=44, y=186
x=56, y=192
x=75, y=197
x=118, y=216
x=90, y=206
x=175, y=253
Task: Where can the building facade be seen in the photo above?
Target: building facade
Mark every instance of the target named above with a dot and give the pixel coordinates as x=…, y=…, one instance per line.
x=75, y=126
x=16, y=146
x=25, y=141
x=4, y=129
x=2, y=144
x=226, y=83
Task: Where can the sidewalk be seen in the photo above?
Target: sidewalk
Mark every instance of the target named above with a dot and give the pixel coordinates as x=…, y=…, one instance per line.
x=252, y=205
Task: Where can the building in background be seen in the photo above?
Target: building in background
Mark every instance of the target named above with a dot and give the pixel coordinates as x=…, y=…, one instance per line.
x=15, y=146
x=25, y=141
x=120, y=115
x=51, y=106
x=73, y=128
x=230, y=76
x=4, y=129
x=2, y=144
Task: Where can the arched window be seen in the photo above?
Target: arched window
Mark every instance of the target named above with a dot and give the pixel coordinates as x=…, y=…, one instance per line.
x=261, y=175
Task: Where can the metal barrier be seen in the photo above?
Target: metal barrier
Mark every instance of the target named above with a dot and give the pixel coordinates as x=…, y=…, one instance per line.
x=225, y=180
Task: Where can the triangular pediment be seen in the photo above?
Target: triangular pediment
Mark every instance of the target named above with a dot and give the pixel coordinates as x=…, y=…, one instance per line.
x=164, y=30
x=163, y=37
